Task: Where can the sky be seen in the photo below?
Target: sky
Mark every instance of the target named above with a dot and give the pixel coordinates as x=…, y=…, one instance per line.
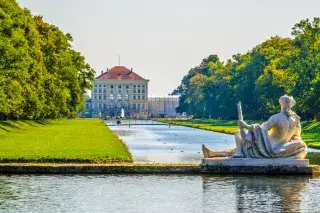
x=161, y=40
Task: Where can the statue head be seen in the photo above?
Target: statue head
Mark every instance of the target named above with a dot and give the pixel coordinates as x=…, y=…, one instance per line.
x=287, y=101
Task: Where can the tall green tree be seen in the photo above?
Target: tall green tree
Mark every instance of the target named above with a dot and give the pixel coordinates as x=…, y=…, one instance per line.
x=41, y=76
x=258, y=78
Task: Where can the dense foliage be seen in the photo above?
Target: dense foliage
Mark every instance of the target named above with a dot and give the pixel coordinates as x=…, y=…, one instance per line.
x=41, y=76
x=258, y=78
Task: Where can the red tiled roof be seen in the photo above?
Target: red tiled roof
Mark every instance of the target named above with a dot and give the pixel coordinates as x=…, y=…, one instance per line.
x=120, y=73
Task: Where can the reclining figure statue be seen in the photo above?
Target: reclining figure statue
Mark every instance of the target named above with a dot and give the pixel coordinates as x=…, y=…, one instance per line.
x=279, y=137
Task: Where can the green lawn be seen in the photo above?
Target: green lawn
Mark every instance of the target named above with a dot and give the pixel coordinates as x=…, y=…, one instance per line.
x=78, y=140
x=310, y=129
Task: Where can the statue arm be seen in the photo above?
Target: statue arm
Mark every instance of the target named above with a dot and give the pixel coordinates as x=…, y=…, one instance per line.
x=297, y=132
x=269, y=123
x=245, y=125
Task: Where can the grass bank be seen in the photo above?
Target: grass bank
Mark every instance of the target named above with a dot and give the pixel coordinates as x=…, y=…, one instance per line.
x=77, y=140
x=310, y=129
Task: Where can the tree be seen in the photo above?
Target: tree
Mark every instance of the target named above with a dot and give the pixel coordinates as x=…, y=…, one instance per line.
x=258, y=78
x=41, y=76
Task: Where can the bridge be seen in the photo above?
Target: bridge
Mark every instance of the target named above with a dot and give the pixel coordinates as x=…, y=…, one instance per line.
x=135, y=123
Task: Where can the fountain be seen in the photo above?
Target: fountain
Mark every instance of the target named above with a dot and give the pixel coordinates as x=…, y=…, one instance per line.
x=122, y=113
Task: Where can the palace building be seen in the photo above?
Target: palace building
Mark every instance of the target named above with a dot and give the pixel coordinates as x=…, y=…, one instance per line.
x=117, y=88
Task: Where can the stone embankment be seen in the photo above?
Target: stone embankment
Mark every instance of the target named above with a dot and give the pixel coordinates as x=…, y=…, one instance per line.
x=20, y=168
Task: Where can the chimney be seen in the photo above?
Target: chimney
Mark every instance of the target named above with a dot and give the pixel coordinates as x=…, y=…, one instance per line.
x=131, y=69
x=101, y=72
x=107, y=69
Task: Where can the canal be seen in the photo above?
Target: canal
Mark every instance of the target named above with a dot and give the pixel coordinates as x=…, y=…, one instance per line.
x=158, y=193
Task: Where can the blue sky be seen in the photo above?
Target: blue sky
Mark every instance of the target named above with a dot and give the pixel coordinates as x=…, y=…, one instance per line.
x=162, y=40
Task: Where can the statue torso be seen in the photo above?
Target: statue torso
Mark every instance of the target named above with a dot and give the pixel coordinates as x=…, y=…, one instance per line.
x=282, y=128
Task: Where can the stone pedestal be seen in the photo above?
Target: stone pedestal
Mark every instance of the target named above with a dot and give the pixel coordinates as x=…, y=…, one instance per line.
x=282, y=166
x=265, y=162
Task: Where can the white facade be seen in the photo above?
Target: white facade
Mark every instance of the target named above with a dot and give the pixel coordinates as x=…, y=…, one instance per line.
x=163, y=106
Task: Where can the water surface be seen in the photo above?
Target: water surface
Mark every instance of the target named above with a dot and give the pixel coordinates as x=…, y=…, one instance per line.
x=158, y=194
x=168, y=144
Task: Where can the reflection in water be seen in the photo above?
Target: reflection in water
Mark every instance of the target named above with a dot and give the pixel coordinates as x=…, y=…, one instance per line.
x=158, y=193
x=260, y=194
x=7, y=193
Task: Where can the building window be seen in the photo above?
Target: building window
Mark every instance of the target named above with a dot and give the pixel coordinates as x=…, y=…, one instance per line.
x=119, y=86
x=104, y=90
x=95, y=90
x=139, y=106
x=111, y=86
x=105, y=106
x=134, y=91
x=138, y=90
x=104, y=97
x=142, y=105
x=99, y=85
x=134, y=97
x=143, y=86
x=139, y=86
x=142, y=97
x=100, y=97
x=134, y=106
x=111, y=97
x=127, y=86
x=138, y=97
x=143, y=91
x=93, y=106
x=99, y=90
x=126, y=97
x=104, y=85
x=95, y=85
x=134, y=86
x=119, y=97
x=95, y=97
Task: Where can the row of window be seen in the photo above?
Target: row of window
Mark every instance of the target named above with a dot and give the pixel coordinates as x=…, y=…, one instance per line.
x=119, y=106
x=119, y=91
x=120, y=86
x=119, y=97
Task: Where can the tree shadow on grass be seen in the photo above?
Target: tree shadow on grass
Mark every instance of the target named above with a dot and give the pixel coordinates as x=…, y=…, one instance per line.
x=4, y=129
x=4, y=124
x=43, y=122
x=9, y=126
x=30, y=123
x=36, y=123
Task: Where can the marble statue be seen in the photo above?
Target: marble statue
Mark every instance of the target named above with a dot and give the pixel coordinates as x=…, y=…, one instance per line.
x=279, y=137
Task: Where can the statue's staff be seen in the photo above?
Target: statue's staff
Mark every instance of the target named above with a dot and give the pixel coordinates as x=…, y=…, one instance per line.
x=243, y=133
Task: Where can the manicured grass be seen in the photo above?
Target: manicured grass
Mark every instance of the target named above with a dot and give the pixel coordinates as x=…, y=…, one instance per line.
x=310, y=129
x=78, y=140
x=311, y=133
x=228, y=127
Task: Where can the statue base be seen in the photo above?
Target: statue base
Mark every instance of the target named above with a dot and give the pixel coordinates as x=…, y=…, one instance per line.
x=261, y=162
